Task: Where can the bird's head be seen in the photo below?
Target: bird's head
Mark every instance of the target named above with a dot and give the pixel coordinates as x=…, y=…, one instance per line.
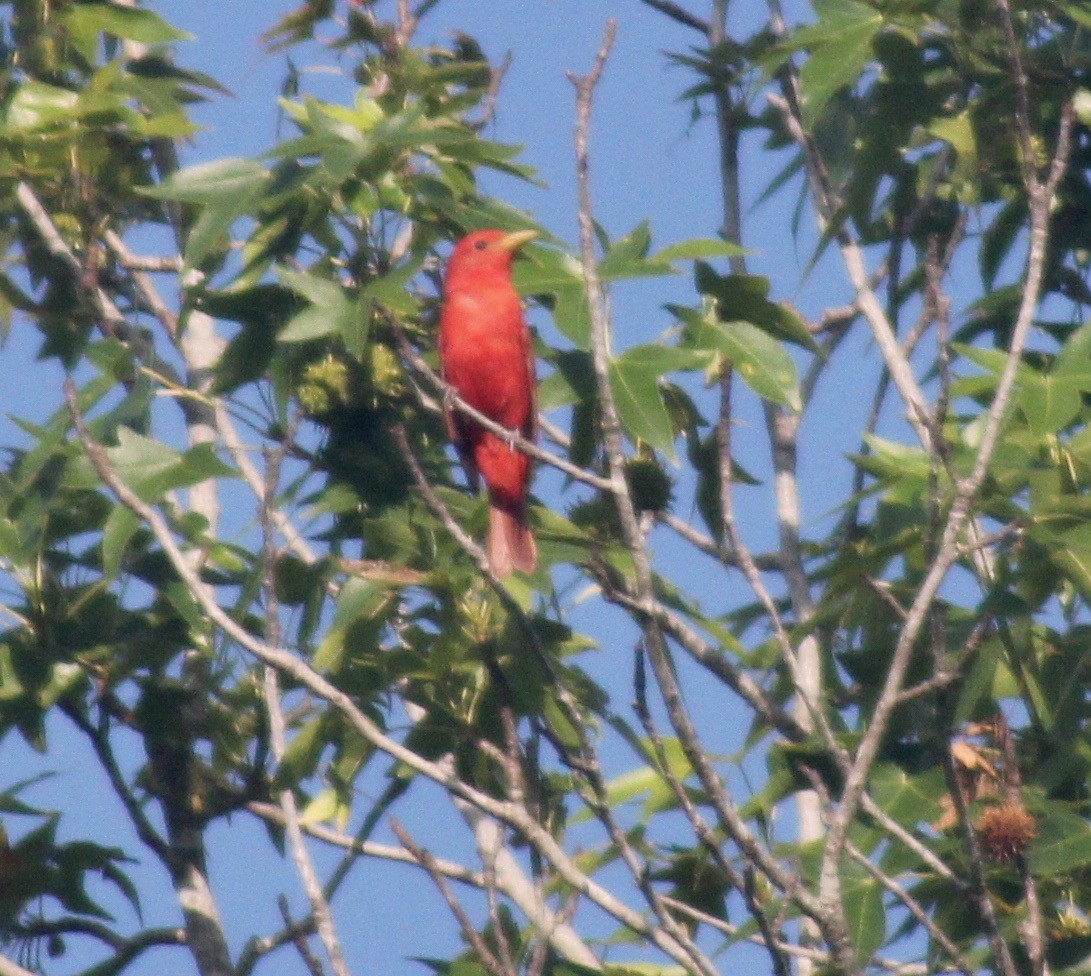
x=485, y=254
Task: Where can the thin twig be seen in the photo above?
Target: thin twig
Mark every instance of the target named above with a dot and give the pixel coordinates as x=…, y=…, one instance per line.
x=978, y=889
x=900, y=370
x=767, y=561
x=610, y=427
x=914, y=907
x=711, y=658
x=488, y=104
x=769, y=938
x=297, y=935
x=469, y=932
x=509, y=436
x=144, y=285
x=320, y=907
x=100, y=742
x=586, y=762
x=257, y=948
x=327, y=835
x=299, y=671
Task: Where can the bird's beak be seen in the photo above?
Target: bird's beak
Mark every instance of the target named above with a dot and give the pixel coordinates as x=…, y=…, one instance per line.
x=512, y=242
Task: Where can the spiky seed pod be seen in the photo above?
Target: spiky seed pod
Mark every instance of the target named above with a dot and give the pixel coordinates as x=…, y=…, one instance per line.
x=1006, y=831
x=649, y=484
x=325, y=386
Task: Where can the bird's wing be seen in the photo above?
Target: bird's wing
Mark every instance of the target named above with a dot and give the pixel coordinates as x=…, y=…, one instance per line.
x=531, y=430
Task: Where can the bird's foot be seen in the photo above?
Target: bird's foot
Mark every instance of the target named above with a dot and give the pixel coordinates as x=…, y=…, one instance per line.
x=511, y=438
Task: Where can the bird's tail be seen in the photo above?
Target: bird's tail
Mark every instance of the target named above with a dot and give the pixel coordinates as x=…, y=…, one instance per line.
x=511, y=543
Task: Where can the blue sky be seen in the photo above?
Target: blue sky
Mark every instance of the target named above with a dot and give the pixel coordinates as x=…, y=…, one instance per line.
x=650, y=160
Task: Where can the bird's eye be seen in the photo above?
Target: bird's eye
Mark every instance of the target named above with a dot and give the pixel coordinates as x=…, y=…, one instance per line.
x=481, y=245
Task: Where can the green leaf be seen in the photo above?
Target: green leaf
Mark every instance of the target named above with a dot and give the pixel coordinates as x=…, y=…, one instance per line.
x=151, y=468
x=1063, y=844
x=557, y=278
x=302, y=754
x=908, y=799
x=998, y=239
x=1074, y=360
x=322, y=808
x=37, y=104
x=392, y=290
x=121, y=525
x=1080, y=12
x=994, y=360
x=759, y=359
x=1049, y=402
x=662, y=359
x=700, y=247
x=741, y=297
x=210, y=232
x=542, y=270
x=572, y=315
x=958, y=132
x=226, y=188
x=128, y=23
x=359, y=599
x=640, y=405
x=330, y=312
x=840, y=46
x=1071, y=552
x=627, y=257
x=311, y=323
x=222, y=181
x=863, y=900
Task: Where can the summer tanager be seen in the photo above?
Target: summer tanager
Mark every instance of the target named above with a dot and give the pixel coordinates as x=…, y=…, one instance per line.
x=487, y=357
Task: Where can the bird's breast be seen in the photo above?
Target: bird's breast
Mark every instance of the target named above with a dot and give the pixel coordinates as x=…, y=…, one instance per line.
x=483, y=344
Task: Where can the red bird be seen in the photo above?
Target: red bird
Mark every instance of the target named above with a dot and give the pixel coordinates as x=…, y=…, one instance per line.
x=486, y=353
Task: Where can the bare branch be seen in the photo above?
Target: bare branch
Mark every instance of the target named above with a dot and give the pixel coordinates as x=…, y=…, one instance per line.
x=868, y=302
x=320, y=908
x=111, y=318
x=768, y=562
x=709, y=657
x=257, y=948
x=126, y=950
x=469, y=932
x=451, y=869
x=297, y=935
x=513, y=437
x=144, y=285
x=914, y=907
x=704, y=833
x=287, y=663
x=684, y=950
x=100, y=742
x=719, y=797
x=496, y=79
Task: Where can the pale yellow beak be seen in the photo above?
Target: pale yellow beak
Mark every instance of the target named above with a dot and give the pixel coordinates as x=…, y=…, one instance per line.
x=512, y=242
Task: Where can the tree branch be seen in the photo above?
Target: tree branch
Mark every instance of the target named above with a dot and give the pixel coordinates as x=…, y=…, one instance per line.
x=513, y=437
x=284, y=661
x=900, y=370
x=320, y=908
